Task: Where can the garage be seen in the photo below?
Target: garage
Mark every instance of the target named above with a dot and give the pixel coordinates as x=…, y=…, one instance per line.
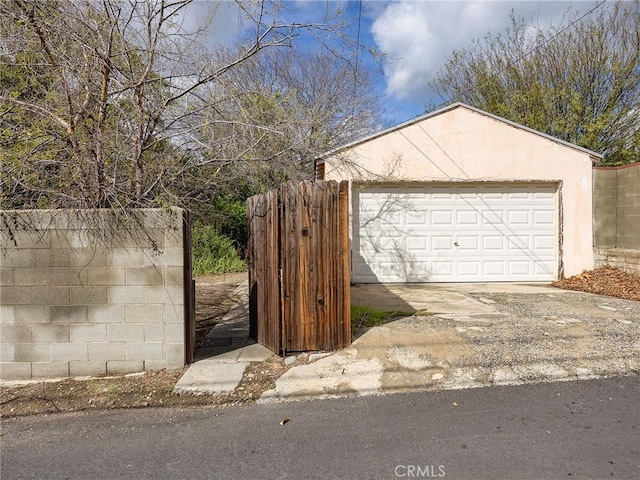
x=461, y=195
x=454, y=233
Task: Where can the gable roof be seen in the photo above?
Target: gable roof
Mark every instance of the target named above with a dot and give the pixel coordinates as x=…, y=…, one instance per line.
x=448, y=108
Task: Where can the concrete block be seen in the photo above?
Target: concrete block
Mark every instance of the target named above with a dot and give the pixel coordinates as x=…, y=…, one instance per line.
x=144, y=313
x=15, y=370
x=154, y=257
x=32, y=240
x=6, y=277
x=49, y=219
x=15, y=333
x=32, y=276
x=87, y=369
x=47, y=333
x=6, y=315
x=144, y=351
x=50, y=370
x=126, y=295
x=88, y=333
x=42, y=258
x=23, y=295
x=174, y=332
x=17, y=258
x=118, y=367
x=88, y=295
x=174, y=353
x=7, y=352
x=120, y=257
x=106, y=313
x=67, y=352
x=60, y=257
x=144, y=276
x=72, y=276
x=154, y=332
x=89, y=257
x=125, y=332
x=78, y=239
x=30, y=314
x=173, y=314
x=54, y=257
x=106, y=276
x=163, y=219
x=106, y=351
x=69, y=314
x=32, y=352
x=174, y=276
x=173, y=238
x=153, y=365
x=173, y=295
x=173, y=257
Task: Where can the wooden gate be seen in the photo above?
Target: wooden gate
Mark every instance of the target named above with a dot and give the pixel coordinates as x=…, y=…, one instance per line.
x=298, y=256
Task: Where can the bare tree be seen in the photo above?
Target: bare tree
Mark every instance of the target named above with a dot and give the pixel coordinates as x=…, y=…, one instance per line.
x=579, y=82
x=111, y=103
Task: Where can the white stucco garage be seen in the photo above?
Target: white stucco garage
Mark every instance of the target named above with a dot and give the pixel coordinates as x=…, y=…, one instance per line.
x=460, y=195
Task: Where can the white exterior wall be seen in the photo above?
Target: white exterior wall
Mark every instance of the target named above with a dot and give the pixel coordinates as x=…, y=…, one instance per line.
x=461, y=144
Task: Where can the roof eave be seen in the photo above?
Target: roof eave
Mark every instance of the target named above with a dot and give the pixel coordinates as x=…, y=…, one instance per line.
x=322, y=157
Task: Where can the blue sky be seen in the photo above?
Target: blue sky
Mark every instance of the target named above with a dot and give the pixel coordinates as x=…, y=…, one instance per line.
x=416, y=35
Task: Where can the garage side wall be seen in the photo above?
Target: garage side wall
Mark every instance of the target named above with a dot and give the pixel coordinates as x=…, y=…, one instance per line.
x=463, y=145
x=90, y=293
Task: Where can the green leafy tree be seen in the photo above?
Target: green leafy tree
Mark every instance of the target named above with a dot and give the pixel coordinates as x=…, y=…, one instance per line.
x=579, y=82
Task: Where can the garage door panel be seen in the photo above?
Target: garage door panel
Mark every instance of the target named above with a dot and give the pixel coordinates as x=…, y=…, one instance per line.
x=493, y=242
x=467, y=217
x=471, y=268
x=544, y=243
x=468, y=243
x=441, y=217
x=455, y=233
x=492, y=217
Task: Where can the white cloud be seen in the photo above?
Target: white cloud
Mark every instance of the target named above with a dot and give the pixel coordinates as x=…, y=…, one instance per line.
x=418, y=35
x=221, y=20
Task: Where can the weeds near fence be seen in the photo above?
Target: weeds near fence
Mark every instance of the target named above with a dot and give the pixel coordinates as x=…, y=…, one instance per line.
x=371, y=317
x=213, y=253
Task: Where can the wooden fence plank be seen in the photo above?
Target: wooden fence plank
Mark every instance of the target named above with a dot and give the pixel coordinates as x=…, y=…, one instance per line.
x=299, y=261
x=263, y=264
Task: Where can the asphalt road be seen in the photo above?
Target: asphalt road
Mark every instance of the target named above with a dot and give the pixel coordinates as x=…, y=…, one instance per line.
x=570, y=430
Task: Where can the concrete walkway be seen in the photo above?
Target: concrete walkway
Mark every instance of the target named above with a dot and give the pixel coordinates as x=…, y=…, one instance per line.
x=223, y=370
x=466, y=335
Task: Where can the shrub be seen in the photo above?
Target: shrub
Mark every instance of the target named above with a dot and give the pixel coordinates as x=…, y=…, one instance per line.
x=214, y=253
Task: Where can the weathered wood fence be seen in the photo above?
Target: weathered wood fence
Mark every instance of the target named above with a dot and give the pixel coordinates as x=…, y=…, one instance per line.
x=298, y=256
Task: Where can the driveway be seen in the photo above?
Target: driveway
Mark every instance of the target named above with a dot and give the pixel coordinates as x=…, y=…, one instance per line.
x=475, y=335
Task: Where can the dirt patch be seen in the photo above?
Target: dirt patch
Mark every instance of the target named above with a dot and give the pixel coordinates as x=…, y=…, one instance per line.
x=606, y=280
x=150, y=389
x=214, y=297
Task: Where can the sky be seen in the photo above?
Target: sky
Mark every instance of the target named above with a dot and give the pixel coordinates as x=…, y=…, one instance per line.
x=416, y=36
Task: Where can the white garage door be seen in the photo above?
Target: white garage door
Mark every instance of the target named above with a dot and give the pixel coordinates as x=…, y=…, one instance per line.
x=454, y=233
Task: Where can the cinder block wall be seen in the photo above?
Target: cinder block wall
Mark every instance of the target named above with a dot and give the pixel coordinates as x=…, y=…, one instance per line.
x=90, y=293
x=616, y=216
x=628, y=207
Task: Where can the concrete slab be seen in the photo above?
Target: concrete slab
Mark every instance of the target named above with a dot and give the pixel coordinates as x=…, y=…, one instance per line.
x=255, y=353
x=523, y=334
x=235, y=323
x=211, y=376
x=482, y=334
x=408, y=298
